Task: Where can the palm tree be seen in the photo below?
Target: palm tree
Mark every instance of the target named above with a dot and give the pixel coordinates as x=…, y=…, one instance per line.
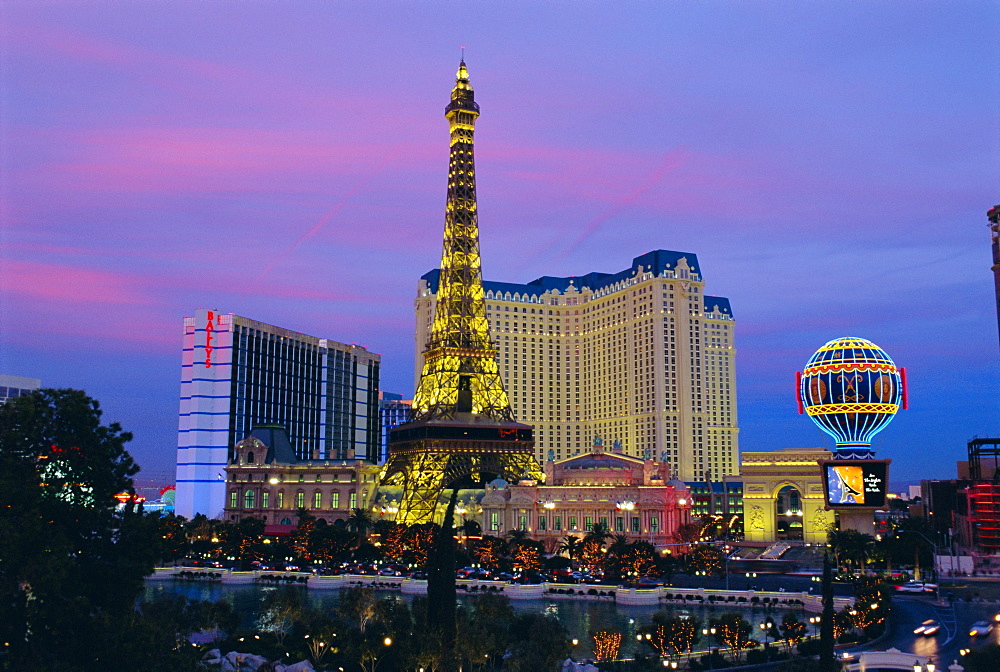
x=360, y=521
x=851, y=547
x=599, y=533
x=517, y=535
x=571, y=546
x=619, y=546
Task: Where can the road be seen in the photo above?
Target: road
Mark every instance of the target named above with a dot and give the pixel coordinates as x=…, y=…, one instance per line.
x=955, y=618
x=909, y=611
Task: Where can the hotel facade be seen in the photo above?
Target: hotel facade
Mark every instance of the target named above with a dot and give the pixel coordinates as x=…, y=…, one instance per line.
x=237, y=373
x=642, y=358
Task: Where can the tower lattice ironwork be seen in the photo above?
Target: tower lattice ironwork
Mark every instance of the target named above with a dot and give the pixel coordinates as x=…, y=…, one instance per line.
x=463, y=428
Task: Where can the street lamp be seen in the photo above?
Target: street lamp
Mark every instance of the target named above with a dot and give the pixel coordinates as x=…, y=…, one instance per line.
x=706, y=632
x=766, y=627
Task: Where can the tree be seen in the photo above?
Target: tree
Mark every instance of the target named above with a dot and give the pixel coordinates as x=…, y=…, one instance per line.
x=537, y=643
x=792, y=630
x=607, y=644
x=671, y=635
x=488, y=551
x=360, y=520
x=592, y=555
x=441, y=584
x=358, y=606
x=302, y=536
x=483, y=630
x=571, y=546
x=706, y=558
x=71, y=564
x=851, y=547
x=688, y=533
x=280, y=611
x=733, y=631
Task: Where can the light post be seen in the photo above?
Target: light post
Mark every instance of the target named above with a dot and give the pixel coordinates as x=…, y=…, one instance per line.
x=766, y=626
x=750, y=575
x=706, y=632
x=815, y=620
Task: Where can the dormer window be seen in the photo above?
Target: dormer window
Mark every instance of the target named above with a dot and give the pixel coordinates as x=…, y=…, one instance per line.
x=250, y=457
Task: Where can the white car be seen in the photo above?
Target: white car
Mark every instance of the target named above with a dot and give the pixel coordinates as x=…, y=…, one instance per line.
x=980, y=628
x=916, y=587
x=928, y=628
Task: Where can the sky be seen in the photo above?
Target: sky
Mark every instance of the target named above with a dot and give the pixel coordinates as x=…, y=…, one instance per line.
x=830, y=163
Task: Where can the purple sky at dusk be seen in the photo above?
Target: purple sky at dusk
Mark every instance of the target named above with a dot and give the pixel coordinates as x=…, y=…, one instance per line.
x=830, y=163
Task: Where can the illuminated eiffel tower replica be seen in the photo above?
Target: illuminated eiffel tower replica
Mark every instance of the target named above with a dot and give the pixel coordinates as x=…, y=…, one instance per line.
x=463, y=432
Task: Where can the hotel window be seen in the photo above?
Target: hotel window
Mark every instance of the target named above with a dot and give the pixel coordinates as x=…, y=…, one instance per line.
x=248, y=499
x=619, y=524
x=281, y=500
x=317, y=500
x=523, y=523
x=635, y=524
x=335, y=500
x=572, y=522
x=233, y=497
x=354, y=500
x=604, y=522
x=542, y=523
x=494, y=521
x=300, y=500
x=265, y=499
x=557, y=524
x=654, y=524
x=588, y=523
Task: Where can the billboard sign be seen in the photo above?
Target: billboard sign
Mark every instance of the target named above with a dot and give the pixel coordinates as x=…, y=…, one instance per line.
x=852, y=484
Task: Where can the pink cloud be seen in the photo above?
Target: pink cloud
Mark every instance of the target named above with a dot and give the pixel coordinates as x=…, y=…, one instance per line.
x=204, y=160
x=61, y=283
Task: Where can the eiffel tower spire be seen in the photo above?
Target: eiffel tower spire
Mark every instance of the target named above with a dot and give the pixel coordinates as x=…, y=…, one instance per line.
x=463, y=432
x=460, y=373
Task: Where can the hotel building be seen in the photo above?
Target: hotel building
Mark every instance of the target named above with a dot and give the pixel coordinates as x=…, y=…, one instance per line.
x=12, y=387
x=237, y=373
x=641, y=357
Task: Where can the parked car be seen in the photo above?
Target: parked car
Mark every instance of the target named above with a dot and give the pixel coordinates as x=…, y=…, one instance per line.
x=648, y=582
x=980, y=628
x=927, y=628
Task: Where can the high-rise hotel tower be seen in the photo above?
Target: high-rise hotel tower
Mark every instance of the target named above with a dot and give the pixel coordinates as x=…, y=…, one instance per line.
x=237, y=373
x=641, y=357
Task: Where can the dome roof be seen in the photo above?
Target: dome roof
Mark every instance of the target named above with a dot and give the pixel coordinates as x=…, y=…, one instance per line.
x=602, y=461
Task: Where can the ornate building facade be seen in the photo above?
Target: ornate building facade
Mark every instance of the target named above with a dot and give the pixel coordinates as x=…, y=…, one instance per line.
x=626, y=494
x=266, y=480
x=642, y=356
x=783, y=496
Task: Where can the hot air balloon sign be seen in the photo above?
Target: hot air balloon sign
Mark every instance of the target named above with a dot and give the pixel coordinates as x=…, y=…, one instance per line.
x=851, y=389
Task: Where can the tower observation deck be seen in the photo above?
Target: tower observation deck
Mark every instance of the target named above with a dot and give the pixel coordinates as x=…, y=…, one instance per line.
x=463, y=431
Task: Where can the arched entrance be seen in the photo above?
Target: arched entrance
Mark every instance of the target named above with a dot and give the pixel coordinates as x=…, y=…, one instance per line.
x=788, y=513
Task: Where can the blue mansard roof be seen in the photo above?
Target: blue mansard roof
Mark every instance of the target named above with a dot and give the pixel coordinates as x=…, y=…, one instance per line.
x=656, y=261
